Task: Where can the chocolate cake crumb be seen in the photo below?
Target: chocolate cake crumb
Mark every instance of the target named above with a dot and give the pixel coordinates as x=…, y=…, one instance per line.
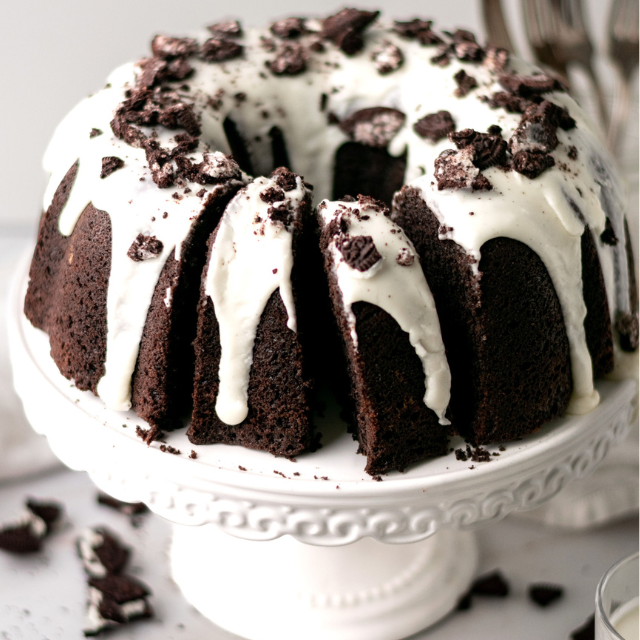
x=491, y=585
x=219, y=50
x=359, y=252
x=572, y=152
x=296, y=473
x=109, y=165
x=501, y=448
x=465, y=83
x=228, y=28
x=279, y=473
x=509, y=102
x=405, y=258
x=169, y=449
x=149, y=435
x=291, y=59
x=241, y=468
x=271, y=195
x=545, y=594
x=489, y=149
x=201, y=193
x=377, y=478
x=480, y=455
x=608, y=236
x=95, y=132
x=374, y=127
x=193, y=455
x=435, y=126
x=461, y=455
x=586, y=632
x=289, y=28
x=626, y=325
x=345, y=29
x=144, y=248
x=387, y=57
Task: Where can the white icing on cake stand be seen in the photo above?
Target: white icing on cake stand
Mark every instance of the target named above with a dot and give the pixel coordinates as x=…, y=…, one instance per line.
x=360, y=559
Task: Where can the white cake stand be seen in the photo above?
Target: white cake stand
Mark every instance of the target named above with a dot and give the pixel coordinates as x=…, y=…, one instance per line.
x=342, y=556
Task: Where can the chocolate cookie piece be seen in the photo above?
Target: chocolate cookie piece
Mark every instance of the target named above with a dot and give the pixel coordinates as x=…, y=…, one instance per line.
x=359, y=252
x=532, y=163
x=109, y=165
x=345, y=29
x=289, y=28
x=220, y=50
x=374, y=127
x=290, y=60
x=168, y=47
x=144, y=248
x=545, y=594
x=435, y=126
x=387, y=57
x=465, y=83
x=226, y=29
x=526, y=86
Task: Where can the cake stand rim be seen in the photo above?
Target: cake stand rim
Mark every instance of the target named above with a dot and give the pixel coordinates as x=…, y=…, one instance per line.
x=400, y=492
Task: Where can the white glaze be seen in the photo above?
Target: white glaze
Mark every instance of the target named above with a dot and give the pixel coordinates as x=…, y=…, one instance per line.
x=535, y=212
x=251, y=258
x=402, y=291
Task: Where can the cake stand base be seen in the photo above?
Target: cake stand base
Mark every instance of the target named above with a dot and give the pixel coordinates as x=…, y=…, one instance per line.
x=274, y=590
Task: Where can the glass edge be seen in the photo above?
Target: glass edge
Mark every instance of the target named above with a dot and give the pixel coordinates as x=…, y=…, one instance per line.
x=603, y=581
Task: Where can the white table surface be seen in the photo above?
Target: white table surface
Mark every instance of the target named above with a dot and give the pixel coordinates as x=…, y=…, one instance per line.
x=43, y=596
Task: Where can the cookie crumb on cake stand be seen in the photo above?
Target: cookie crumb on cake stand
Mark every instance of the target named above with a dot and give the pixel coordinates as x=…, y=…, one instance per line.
x=343, y=556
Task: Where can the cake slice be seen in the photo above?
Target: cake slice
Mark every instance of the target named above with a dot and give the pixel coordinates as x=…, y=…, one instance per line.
x=503, y=326
x=252, y=376
x=131, y=350
x=391, y=333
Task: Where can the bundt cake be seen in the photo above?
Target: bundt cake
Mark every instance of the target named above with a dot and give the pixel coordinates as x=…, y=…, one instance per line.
x=477, y=264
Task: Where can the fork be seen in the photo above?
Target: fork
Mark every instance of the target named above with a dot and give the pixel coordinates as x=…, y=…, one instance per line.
x=539, y=31
x=495, y=25
x=623, y=51
x=570, y=43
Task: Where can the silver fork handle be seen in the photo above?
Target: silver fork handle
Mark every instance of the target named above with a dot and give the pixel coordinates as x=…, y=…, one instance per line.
x=619, y=112
x=600, y=100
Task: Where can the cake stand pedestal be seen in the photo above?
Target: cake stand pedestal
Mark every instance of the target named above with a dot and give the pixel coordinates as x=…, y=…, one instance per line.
x=313, y=548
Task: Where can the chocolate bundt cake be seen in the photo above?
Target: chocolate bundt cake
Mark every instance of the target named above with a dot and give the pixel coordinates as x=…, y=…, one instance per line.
x=478, y=267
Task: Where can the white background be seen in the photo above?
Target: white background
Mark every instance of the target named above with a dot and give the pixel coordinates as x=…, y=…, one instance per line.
x=55, y=52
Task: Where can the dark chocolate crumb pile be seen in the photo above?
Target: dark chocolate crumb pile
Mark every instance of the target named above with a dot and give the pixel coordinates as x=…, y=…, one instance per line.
x=115, y=598
x=27, y=534
x=345, y=29
x=109, y=165
x=420, y=30
x=586, y=632
x=167, y=448
x=144, y=248
x=95, y=132
x=149, y=435
x=387, y=57
x=374, y=127
x=271, y=195
x=435, y=126
x=545, y=594
x=359, y=252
